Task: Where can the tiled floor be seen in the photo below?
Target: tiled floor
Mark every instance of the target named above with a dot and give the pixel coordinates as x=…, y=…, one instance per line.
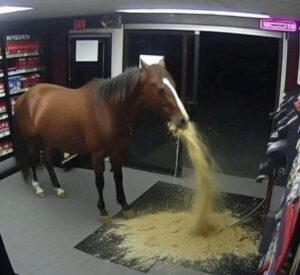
x=40, y=234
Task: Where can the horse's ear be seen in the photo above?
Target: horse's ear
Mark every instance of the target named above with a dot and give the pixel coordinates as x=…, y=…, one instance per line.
x=146, y=72
x=145, y=66
x=162, y=62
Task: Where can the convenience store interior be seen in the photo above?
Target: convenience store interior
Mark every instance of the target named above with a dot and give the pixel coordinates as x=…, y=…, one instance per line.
x=230, y=75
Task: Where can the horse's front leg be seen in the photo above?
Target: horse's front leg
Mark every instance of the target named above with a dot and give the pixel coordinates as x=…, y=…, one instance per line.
x=98, y=165
x=116, y=165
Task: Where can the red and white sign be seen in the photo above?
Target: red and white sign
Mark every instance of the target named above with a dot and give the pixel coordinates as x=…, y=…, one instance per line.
x=79, y=24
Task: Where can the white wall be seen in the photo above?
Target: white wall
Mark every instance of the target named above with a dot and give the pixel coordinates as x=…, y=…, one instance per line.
x=117, y=52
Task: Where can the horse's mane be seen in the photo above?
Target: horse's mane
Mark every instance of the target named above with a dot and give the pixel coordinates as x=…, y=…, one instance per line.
x=115, y=89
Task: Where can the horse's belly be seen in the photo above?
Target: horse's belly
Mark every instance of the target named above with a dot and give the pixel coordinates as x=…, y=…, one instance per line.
x=64, y=139
x=70, y=147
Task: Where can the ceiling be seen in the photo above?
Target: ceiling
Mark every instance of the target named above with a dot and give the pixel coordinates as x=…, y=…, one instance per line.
x=66, y=8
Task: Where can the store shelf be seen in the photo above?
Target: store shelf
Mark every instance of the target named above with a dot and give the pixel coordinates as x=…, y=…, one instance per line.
x=6, y=153
x=23, y=71
x=7, y=161
x=19, y=55
x=3, y=116
x=19, y=67
x=19, y=92
x=5, y=134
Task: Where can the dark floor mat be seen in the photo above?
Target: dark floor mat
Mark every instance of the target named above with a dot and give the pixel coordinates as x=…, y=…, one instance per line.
x=163, y=196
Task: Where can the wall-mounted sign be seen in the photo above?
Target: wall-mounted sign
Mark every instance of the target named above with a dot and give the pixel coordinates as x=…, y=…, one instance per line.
x=18, y=37
x=79, y=24
x=86, y=51
x=278, y=25
x=150, y=59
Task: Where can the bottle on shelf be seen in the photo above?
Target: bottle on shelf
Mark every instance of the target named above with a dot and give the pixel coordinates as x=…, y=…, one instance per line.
x=6, y=148
x=22, y=47
x=25, y=64
x=2, y=107
x=13, y=102
x=2, y=92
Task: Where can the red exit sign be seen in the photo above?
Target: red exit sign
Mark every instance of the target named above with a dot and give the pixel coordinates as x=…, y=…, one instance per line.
x=79, y=24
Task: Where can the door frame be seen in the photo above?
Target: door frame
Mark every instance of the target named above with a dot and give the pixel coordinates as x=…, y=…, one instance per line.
x=197, y=29
x=177, y=170
x=83, y=37
x=116, y=45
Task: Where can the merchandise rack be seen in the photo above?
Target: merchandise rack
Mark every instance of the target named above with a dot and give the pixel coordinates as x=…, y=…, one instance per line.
x=20, y=69
x=6, y=150
x=281, y=167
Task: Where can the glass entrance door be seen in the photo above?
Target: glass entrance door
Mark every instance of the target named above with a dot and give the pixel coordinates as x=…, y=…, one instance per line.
x=237, y=88
x=152, y=147
x=229, y=84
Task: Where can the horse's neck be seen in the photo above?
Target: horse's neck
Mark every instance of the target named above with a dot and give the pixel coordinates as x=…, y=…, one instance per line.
x=122, y=114
x=130, y=109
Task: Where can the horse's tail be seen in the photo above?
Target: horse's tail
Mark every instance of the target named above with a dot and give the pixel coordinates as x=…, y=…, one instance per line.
x=21, y=150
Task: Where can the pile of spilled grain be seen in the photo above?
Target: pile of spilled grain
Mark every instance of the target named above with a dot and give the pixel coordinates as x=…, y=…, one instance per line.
x=167, y=235
x=186, y=236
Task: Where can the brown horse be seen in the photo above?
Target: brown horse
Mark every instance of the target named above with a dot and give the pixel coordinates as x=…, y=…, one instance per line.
x=95, y=119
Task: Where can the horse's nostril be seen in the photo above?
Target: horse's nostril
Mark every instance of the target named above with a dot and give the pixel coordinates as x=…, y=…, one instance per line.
x=183, y=122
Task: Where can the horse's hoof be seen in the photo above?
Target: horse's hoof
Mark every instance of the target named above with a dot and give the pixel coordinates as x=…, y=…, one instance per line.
x=105, y=219
x=61, y=193
x=128, y=214
x=41, y=194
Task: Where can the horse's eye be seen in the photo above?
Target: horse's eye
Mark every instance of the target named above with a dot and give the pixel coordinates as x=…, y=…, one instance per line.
x=161, y=91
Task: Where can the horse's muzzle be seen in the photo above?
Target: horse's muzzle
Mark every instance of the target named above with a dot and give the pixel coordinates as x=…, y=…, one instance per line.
x=180, y=122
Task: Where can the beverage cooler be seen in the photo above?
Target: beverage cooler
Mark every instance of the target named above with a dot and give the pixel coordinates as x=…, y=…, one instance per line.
x=20, y=69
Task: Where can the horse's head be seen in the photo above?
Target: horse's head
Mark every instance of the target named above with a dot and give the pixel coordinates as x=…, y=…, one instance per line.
x=159, y=94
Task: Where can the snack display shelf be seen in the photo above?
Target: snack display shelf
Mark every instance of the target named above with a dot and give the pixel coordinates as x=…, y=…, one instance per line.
x=19, y=92
x=4, y=134
x=18, y=55
x=3, y=116
x=25, y=71
x=8, y=152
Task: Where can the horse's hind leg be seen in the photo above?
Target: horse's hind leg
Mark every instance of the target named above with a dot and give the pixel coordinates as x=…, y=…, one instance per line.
x=116, y=160
x=47, y=157
x=98, y=165
x=33, y=154
x=39, y=191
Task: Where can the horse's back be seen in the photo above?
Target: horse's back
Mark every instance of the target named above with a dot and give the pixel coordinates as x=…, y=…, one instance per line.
x=26, y=104
x=67, y=119
x=25, y=108
x=56, y=114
